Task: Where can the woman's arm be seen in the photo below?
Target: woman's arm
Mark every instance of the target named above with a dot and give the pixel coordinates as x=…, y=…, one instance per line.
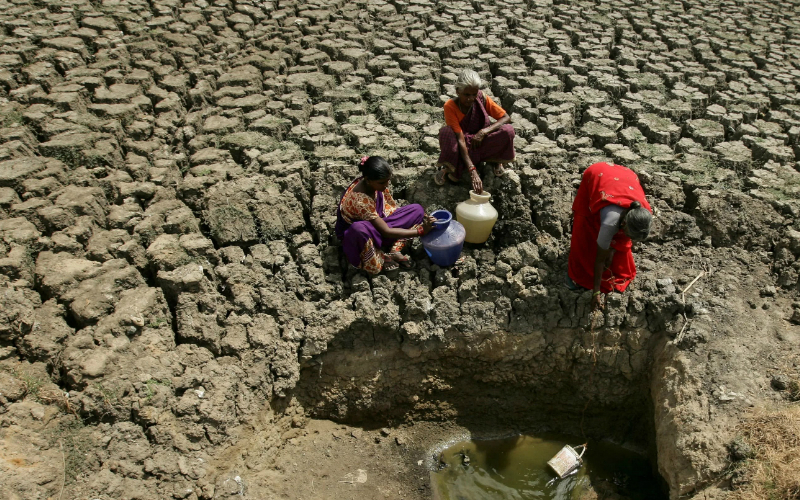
x=396, y=233
x=494, y=111
x=491, y=128
x=462, y=148
x=477, y=184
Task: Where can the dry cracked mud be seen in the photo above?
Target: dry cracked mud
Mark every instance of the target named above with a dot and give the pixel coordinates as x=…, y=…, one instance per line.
x=177, y=320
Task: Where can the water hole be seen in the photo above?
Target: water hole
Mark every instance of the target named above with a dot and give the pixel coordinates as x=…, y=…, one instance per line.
x=515, y=468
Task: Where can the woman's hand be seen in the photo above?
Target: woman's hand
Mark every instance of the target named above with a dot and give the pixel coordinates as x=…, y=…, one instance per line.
x=427, y=224
x=478, y=138
x=597, y=302
x=477, y=184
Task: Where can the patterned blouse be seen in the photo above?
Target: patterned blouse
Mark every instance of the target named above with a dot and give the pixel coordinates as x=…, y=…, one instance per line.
x=360, y=206
x=357, y=206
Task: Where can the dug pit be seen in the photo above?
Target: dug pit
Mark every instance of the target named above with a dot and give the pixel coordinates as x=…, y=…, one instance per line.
x=594, y=383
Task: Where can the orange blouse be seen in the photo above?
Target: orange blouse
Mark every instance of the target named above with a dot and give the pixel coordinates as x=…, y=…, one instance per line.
x=453, y=115
x=359, y=206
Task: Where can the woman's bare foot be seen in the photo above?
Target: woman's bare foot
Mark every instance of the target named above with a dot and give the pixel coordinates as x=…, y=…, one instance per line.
x=402, y=260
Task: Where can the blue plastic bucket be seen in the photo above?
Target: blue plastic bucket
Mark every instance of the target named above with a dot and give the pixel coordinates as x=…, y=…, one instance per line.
x=444, y=242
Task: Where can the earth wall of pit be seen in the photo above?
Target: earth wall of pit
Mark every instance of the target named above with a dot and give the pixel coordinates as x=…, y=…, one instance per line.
x=524, y=381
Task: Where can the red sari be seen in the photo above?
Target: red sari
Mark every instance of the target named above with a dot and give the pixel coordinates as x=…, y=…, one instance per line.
x=603, y=184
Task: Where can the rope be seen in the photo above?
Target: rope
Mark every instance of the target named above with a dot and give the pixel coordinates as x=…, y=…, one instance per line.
x=593, y=331
x=679, y=337
x=613, y=281
x=63, y=469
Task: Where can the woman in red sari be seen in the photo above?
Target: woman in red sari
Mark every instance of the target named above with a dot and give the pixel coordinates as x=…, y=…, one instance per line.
x=470, y=137
x=610, y=212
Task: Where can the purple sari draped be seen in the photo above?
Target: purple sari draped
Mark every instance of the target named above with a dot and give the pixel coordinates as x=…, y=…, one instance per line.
x=496, y=147
x=356, y=235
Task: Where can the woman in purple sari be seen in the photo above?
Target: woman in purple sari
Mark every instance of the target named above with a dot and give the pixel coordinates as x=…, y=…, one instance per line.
x=470, y=137
x=372, y=228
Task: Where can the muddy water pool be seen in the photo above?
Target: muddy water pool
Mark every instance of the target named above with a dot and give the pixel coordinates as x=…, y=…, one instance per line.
x=515, y=468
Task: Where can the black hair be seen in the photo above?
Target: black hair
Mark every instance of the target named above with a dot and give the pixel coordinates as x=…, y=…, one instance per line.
x=637, y=221
x=375, y=168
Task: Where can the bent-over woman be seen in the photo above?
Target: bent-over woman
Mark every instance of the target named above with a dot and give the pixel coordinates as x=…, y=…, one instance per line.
x=372, y=228
x=469, y=136
x=610, y=212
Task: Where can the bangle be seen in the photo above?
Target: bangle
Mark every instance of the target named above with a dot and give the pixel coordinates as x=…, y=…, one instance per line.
x=420, y=230
x=595, y=294
x=472, y=168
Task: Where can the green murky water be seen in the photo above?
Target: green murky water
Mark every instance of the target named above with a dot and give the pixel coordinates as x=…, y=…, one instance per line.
x=516, y=469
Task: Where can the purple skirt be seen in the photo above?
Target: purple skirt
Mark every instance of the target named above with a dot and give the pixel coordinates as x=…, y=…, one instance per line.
x=496, y=147
x=356, y=236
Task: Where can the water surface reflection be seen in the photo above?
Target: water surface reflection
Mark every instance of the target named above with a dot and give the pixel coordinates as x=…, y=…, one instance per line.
x=516, y=468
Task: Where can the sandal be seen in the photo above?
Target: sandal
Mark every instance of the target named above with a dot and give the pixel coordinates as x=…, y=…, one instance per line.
x=390, y=265
x=439, y=177
x=443, y=176
x=499, y=170
x=571, y=284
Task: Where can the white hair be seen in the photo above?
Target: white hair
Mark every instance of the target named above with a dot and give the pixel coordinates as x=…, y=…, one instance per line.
x=638, y=220
x=468, y=78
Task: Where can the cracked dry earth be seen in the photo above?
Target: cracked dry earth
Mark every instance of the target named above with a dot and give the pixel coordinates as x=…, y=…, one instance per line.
x=177, y=321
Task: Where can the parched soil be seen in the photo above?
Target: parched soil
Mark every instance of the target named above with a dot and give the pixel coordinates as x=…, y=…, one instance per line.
x=177, y=319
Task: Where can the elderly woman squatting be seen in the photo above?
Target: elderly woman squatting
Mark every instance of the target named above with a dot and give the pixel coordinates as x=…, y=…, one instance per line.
x=469, y=137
